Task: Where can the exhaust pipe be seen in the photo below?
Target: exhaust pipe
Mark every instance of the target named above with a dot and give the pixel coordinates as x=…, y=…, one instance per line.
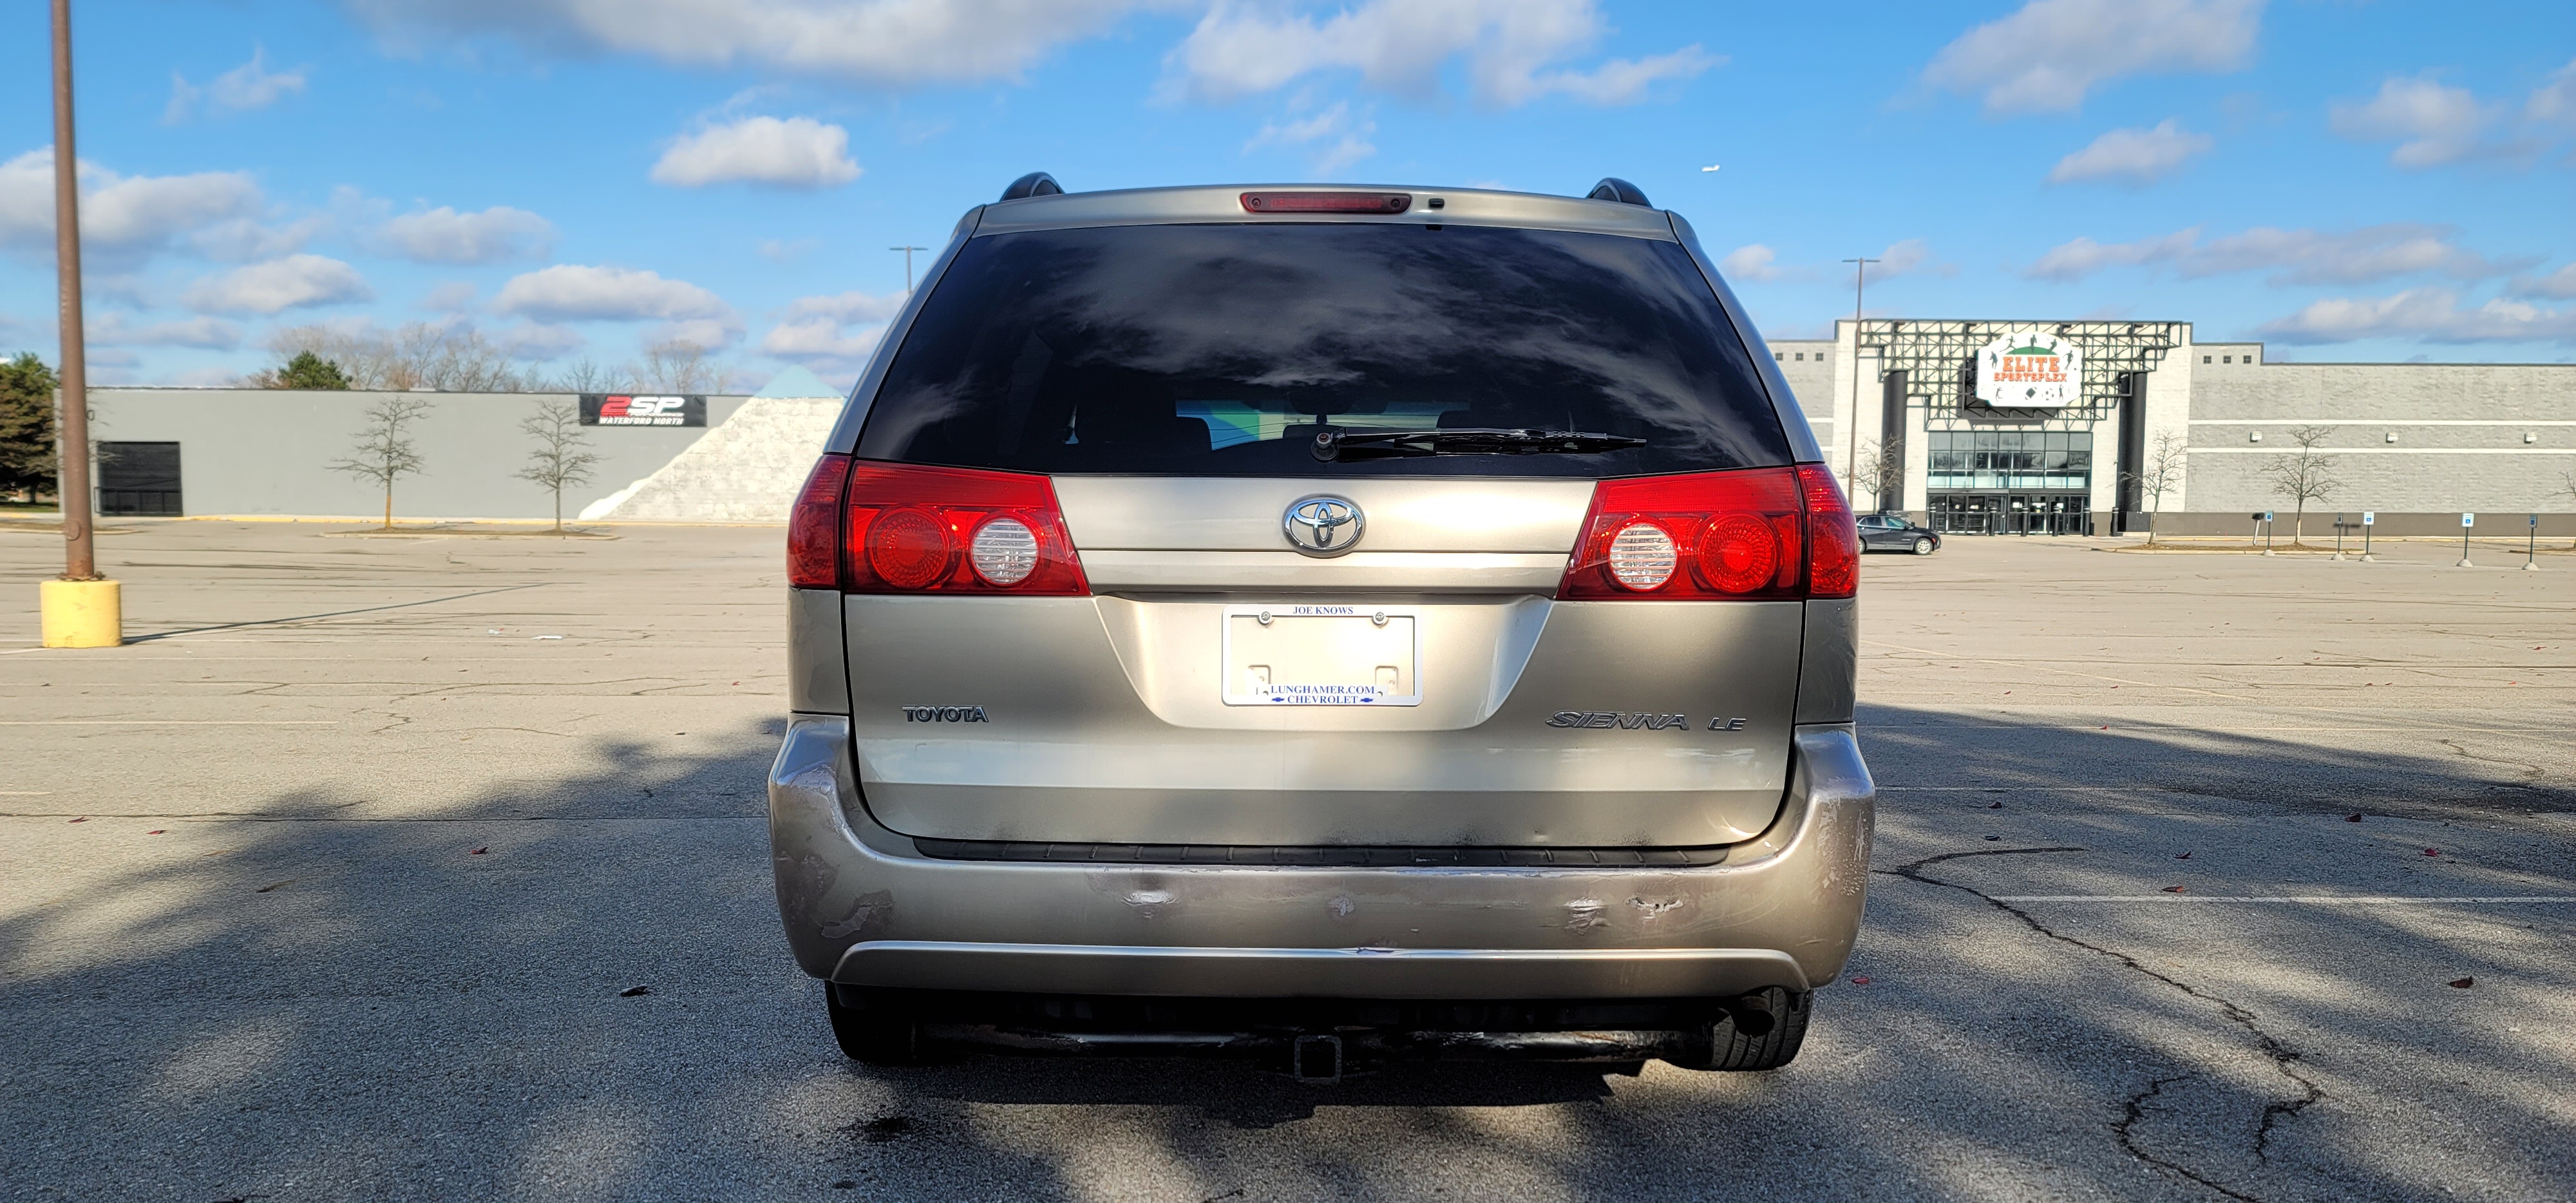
x=1752, y=1016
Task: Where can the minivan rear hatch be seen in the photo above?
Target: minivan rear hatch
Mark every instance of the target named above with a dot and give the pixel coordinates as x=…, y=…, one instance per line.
x=1441, y=401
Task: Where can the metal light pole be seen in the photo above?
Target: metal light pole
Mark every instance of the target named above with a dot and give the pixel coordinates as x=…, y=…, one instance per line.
x=80, y=609
x=907, y=264
x=1851, y=462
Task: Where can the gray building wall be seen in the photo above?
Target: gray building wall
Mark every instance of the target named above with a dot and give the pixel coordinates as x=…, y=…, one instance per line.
x=1808, y=366
x=2407, y=438
x=269, y=451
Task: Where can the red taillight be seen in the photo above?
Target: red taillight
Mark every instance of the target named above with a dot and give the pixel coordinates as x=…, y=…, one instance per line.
x=1834, y=568
x=1327, y=202
x=814, y=527
x=1761, y=533
x=955, y=530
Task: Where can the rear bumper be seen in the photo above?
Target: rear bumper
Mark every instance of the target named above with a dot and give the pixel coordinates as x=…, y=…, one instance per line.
x=862, y=907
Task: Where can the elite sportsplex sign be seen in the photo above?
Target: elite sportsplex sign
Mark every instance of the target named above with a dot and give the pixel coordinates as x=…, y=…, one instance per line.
x=2030, y=369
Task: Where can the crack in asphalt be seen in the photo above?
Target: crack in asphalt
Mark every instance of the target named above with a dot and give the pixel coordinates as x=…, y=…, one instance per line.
x=2527, y=768
x=2284, y=1058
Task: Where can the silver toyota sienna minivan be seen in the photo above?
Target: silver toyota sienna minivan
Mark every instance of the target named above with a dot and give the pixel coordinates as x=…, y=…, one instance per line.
x=1322, y=623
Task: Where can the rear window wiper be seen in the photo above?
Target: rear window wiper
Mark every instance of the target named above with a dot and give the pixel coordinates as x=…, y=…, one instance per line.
x=1332, y=444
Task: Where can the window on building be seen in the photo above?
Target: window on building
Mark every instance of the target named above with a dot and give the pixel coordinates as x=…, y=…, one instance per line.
x=1802, y=356
x=2010, y=459
x=2226, y=359
x=2204, y=359
x=1779, y=355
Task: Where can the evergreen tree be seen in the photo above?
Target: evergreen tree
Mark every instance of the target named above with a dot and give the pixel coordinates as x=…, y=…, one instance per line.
x=308, y=370
x=27, y=425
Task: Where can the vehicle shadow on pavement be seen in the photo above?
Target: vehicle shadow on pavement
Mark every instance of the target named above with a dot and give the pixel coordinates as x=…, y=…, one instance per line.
x=364, y=1005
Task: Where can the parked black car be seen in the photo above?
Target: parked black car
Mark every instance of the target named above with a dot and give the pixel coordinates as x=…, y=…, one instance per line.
x=1891, y=532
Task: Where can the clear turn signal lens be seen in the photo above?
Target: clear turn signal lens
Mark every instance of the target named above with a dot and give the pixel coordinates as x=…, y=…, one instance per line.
x=1641, y=556
x=1005, y=551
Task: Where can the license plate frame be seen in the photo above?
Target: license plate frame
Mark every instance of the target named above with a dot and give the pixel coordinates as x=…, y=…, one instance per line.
x=1378, y=634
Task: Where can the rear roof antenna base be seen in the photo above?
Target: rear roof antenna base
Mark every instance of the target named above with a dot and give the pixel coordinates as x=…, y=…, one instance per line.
x=1612, y=188
x=1035, y=183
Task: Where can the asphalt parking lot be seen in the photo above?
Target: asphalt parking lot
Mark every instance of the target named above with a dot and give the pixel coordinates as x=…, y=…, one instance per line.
x=333, y=883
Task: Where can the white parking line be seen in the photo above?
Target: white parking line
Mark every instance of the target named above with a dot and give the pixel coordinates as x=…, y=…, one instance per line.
x=2301, y=900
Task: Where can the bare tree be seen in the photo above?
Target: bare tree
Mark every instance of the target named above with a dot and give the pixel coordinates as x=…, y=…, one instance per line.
x=2567, y=489
x=453, y=358
x=2162, y=473
x=675, y=365
x=589, y=376
x=385, y=452
x=560, y=458
x=1881, y=473
x=2304, y=477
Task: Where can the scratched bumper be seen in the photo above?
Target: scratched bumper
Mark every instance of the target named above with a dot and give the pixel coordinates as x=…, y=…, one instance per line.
x=861, y=906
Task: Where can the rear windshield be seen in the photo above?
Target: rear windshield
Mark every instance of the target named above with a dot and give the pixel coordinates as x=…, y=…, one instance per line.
x=1220, y=350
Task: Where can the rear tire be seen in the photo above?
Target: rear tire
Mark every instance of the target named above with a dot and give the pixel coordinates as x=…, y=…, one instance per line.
x=875, y=1027
x=1923, y=547
x=1729, y=1044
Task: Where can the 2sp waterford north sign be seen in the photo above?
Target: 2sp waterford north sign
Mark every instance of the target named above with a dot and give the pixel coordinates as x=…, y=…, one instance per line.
x=621, y=409
x=2030, y=369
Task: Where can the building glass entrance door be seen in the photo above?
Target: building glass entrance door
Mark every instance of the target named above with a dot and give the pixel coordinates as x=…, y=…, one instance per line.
x=2052, y=513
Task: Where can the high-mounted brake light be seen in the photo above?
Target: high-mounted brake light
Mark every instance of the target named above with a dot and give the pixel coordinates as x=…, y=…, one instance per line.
x=1755, y=534
x=1327, y=202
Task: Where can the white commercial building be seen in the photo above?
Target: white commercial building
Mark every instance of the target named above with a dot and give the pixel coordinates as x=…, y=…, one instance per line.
x=2417, y=443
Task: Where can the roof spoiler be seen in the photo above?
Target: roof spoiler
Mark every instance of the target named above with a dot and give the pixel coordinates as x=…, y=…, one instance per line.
x=1611, y=188
x=1039, y=183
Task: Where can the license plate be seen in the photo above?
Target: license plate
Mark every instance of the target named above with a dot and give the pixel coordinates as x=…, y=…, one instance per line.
x=1322, y=656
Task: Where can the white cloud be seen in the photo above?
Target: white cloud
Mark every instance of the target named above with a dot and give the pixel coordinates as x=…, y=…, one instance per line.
x=817, y=331
x=537, y=341
x=120, y=215
x=2554, y=102
x=1343, y=137
x=705, y=333
x=1508, y=48
x=1750, y=263
x=294, y=282
x=2348, y=257
x=2430, y=314
x=848, y=307
x=245, y=240
x=240, y=90
x=2559, y=285
x=2048, y=56
x=443, y=235
x=1907, y=258
x=883, y=42
x=2135, y=157
x=787, y=250
x=2301, y=256
x=2071, y=261
x=448, y=296
x=798, y=152
x=2432, y=123
x=118, y=329
x=572, y=292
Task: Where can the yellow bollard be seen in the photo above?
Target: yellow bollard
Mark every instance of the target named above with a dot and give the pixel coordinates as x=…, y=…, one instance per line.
x=82, y=613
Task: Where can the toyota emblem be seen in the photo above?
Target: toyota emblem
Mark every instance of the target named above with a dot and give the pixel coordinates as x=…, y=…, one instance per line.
x=1323, y=526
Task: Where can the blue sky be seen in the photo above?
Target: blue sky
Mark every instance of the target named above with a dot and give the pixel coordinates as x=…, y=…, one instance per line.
x=575, y=178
